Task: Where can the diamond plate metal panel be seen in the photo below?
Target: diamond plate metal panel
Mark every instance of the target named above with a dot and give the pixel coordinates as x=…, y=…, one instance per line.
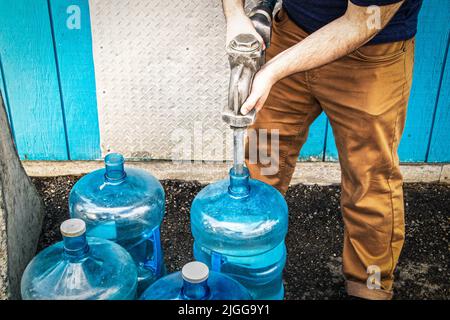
x=162, y=76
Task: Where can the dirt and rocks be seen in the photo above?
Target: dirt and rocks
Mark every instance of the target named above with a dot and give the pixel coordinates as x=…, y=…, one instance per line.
x=314, y=241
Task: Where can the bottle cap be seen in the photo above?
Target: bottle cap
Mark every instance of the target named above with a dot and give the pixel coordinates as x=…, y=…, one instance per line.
x=73, y=228
x=195, y=272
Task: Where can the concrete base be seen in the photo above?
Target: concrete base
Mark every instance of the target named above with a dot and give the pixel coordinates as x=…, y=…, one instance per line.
x=21, y=214
x=321, y=173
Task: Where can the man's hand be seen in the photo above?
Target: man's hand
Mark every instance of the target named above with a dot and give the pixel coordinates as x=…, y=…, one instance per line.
x=237, y=20
x=262, y=83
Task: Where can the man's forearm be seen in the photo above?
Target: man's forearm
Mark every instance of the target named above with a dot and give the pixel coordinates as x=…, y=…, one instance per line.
x=329, y=43
x=233, y=8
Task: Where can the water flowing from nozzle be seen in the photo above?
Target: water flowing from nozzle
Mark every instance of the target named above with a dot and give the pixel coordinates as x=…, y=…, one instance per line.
x=238, y=151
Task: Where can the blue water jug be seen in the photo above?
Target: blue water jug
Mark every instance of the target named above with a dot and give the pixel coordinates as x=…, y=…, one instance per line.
x=80, y=268
x=239, y=226
x=195, y=282
x=127, y=207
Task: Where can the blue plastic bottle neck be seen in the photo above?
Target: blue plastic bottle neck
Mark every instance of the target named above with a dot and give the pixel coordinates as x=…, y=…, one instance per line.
x=239, y=183
x=75, y=248
x=115, y=170
x=195, y=291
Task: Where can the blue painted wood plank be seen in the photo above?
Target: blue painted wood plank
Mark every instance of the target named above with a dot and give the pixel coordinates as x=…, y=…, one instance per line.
x=5, y=100
x=313, y=148
x=30, y=79
x=3, y=93
x=431, y=42
x=73, y=43
x=440, y=137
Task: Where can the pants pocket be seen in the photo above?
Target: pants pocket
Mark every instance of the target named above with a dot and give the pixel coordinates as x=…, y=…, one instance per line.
x=380, y=52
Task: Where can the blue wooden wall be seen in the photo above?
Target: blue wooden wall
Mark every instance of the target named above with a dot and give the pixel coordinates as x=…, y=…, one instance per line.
x=47, y=79
x=48, y=82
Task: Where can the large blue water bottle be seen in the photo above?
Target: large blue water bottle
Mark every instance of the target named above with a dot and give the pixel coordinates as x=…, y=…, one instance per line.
x=195, y=282
x=80, y=268
x=127, y=207
x=239, y=226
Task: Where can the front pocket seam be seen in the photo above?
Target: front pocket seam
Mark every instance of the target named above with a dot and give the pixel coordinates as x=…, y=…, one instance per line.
x=381, y=58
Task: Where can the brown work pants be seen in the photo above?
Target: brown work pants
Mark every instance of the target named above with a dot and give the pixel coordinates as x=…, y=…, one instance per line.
x=364, y=95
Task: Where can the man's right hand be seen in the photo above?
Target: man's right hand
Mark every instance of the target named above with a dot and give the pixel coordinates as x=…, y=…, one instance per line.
x=237, y=21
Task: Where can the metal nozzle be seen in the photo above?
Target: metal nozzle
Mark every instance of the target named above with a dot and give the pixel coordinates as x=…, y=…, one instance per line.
x=245, y=43
x=246, y=56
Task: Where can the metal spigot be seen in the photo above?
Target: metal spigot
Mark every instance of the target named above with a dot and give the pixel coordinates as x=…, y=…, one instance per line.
x=246, y=56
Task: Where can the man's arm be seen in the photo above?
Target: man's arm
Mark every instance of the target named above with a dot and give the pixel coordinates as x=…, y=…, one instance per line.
x=333, y=41
x=233, y=8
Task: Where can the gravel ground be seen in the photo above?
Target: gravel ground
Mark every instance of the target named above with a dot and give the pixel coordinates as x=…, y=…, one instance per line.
x=314, y=241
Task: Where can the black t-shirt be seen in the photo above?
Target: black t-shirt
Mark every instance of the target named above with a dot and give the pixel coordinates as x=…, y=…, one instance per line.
x=311, y=15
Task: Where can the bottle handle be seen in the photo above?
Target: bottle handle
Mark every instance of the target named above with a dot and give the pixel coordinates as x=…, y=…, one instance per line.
x=217, y=260
x=155, y=262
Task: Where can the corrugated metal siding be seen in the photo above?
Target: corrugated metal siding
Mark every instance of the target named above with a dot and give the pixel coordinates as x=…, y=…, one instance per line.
x=161, y=78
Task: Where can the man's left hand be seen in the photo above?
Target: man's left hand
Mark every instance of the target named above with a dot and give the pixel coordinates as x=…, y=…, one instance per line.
x=262, y=83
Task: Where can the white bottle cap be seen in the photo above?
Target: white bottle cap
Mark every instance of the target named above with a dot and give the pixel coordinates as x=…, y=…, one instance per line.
x=195, y=272
x=73, y=228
